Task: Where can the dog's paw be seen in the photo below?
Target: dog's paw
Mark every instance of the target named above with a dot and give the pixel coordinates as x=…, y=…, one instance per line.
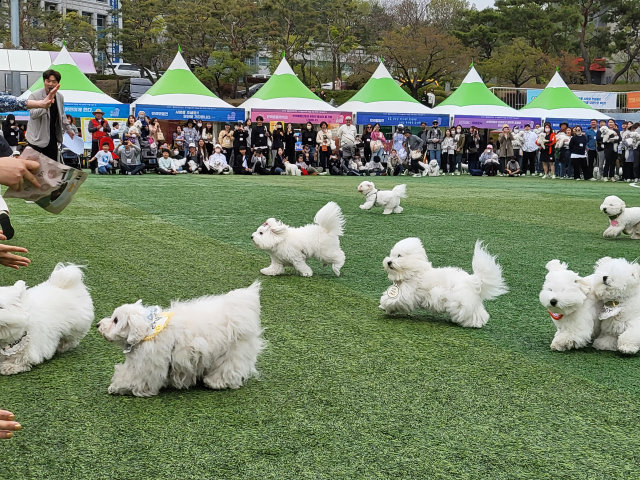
x=387, y=212
x=269, y=272
x=605, y=343
x=363, y=207
x=306, y=274
x=12, y=368
x=628, y=348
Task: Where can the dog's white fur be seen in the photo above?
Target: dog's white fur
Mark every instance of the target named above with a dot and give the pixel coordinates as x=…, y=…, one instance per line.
x=215, y=338
x=562, y=140
x=433, y=168
x=292, y=169
x=616, y=279
x=633, y=139
x=607, y=133
x=56, y=315
x=628, y=219
x=448, y=290
x=294, y=246
x=389, y=199
x=542, y=137
x=567, y=294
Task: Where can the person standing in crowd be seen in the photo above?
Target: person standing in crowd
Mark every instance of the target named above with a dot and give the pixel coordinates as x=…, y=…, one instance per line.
x=259, y=137
x=636, y=157
x=505, y=139
x=143, y=125
x=529, y=150
x=324, y=140
x=155, y=131
x=207, y=134
x=377, y=142
x=323, y=96
x=518, y=138
x=129, y=154
x=610, y=150
x=578, y=153
x=398, y=141
x=347, y=137
x=413, y=145
x=600, y=149
x=592, y=155
x=290, y=143
x=11, y=132
x=190, y=132
x=424, y=136
x=46, y=125
x=240, y=137
x=98, y=128
x=278, y=139
x=249, y=129
x=448, y=152
x=309, y=139
x=129, y=123
x=434, y=143
x=116, y=130
x=431, y=100
x=629, y=160
x=366, y=142
x=546, y=152
x=460, y=140
x=225, y=139
x=564, y=159
x=473, y=147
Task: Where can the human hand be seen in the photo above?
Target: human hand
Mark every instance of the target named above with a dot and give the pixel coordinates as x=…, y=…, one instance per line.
x=46, y=102
x=14, y=171
x=71, y=134
x=7, y=425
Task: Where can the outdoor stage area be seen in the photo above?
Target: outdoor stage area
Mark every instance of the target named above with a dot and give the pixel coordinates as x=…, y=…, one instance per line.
x=344, y=391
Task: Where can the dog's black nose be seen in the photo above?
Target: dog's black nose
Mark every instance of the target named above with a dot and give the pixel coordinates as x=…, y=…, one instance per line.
x=98, y=325
x=604, y=210
x=604, y=279
x=390, y=262
x=553, y=302
x=252, y=236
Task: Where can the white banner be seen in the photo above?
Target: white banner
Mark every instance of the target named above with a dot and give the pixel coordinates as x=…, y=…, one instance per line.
x=598, y=100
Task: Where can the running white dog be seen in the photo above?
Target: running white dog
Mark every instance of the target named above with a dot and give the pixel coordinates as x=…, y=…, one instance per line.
x=448, y=290
x=433, y=168
x=617, y=284
x=215, y=338
x=389, y=199
x=621, y=219
x=573, y=307
x=38, y=322
x=293, y=246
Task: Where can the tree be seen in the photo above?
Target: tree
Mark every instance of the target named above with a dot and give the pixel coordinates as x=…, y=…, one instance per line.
x=518, y=63
x=79, y=35
x=223, y=69
x=443, y=13
x=479, y=30
x=419, y=57
x=625, y=21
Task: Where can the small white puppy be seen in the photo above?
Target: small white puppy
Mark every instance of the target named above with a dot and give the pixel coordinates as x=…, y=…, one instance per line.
x=607, y=133
x=434, y=169
x=621, y=219
x=617, y=283
x=292, y=169
x=448, y=290
x=214, y=338
x=38, y=322
x=573, y=307
x=389, y=199
x=294, y=246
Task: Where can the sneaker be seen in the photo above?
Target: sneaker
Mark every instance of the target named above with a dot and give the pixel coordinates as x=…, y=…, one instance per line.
x=553, y=177
x=458, y=173
x=5, y=224
x=605, y=179
x=578, y=179
x=128, y=173
x=416, y=175
x=592, y=179
x=613, y=179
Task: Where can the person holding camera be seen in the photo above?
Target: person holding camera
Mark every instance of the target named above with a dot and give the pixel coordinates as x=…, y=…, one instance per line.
x=324, y=139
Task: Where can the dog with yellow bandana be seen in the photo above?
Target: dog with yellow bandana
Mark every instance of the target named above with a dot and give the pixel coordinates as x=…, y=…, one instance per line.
x=215, y=338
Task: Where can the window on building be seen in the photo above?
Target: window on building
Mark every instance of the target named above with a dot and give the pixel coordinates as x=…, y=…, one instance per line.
x=50, y=7
x=101, y=22
x=86, y=17
x=263, y=61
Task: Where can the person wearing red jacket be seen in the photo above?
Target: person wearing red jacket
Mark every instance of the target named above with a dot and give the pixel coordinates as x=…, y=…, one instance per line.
x=547, y=151
x=98, y=128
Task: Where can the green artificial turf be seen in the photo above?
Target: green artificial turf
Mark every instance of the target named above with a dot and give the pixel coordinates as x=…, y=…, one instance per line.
x=345, y=391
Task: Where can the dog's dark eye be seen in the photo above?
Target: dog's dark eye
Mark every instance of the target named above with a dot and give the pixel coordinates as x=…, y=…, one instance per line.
x=115, y=321
x=399, y=256
x=260, y=233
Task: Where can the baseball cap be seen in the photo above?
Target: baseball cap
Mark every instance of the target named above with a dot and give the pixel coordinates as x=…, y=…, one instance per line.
x=490, y=147
x=348, y=117
x=192, y=145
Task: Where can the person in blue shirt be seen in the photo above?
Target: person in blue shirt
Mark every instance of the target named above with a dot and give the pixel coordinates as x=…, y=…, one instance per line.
x=593, y=136
x=9, y=103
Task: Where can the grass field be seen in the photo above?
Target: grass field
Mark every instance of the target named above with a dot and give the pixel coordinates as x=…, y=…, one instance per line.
x=345, y=391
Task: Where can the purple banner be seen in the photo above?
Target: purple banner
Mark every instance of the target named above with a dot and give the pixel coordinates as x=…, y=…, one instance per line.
x=298, y=116
x=493, y=122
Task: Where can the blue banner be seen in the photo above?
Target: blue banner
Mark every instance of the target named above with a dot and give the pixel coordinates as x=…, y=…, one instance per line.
x=531, y=94
x=407, y=119
x=555, y=122
x=189, y=113
x=85, y=110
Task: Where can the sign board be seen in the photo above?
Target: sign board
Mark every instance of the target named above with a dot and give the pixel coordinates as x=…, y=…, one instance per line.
x=298, y=116
x=162, y=112
x=633, y=100
x=493, y=122
x=406, y=119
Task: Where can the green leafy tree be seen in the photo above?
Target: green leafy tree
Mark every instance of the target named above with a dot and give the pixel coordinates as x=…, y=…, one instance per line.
x=479, y=30
x=624, y=19
x=223, y=68
x=517, y=63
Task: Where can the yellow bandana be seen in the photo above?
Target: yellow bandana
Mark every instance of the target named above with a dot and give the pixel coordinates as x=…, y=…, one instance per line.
x=160, y=322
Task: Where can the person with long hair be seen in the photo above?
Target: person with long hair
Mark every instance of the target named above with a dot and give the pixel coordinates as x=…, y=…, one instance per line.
x=278, y=167
x=578, y=153
x=207, y=134
x=324, y=140
x=448, y=152
x=277, y=141
x=366, y=140
x=610, y=152
x=377, y=142
x=546, y=152
x=290, y=143
x=459, y=138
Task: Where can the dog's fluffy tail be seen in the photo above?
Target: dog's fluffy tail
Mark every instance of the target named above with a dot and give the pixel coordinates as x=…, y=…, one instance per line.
x=66, y=276
x=487, y=270
x=400, y=190
x=330, y=218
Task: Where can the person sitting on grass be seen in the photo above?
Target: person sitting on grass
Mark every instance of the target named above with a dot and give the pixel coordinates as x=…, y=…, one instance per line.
x=195, y=162
x=489, y=162
x=166, y=165
x=129, y=154
x=105, y=160
x=242, y=164
x=218, y=161
x=513, y=167
x=335, y=164
x=258, y=163
x=375, y=167
x=355, y=166
x=278, y=167
x=304, y=167
x=394, y=164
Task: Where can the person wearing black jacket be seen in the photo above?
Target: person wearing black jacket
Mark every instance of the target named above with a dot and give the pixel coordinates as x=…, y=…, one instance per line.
x=309, y=138
x=610, y=152
x=278, y=167
x=242, y=164
x=290, y=143
x=578, y=153
x=278, y=139
x=10, y=131
x=366, y=140
x=259, y=136
x=240, y=138
x=474, y=145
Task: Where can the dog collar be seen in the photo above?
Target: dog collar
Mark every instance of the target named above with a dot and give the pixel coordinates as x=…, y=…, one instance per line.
x=15, y=347
x=556, y=316
x=393, y=291
x=611, y=309
x=158, y=321
x=375, y=192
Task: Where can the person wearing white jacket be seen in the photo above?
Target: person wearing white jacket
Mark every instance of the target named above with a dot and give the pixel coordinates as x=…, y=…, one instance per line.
x=448, y=152
x=218, y=161
x=517, y=143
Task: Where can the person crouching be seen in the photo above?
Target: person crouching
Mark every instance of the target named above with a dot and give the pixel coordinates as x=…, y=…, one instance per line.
x=489, y=162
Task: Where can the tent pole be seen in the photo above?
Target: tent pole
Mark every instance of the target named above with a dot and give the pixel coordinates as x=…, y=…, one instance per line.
x=15, y=41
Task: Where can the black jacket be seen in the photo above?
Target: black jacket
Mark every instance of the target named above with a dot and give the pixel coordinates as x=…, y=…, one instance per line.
x=309, y=137
x=11, y=132
x=278, y=139
x=240, y=138
x=578, y=145
x=278, y=162
x=259, y=135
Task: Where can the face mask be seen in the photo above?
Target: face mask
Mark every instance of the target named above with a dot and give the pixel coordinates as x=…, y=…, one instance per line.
x=217, y=150
x=458, y=130
x=308, y=127
x=547, y=130
x=175, y=152
x=11, y=122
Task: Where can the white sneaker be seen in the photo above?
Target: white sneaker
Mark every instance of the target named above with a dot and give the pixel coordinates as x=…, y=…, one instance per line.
x=593, y=179
x=128, y=173
x=553, y=177
x=605, y=179
x=458, y=173
x=578, y=179
x=613, y=179
x=416, y=175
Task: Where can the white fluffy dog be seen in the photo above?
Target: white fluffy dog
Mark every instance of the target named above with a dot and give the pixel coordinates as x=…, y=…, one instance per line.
x=448, y=290
x=291, y=169
x=293, y=246
x=434, y=169
x=617, y=284
x=607, y=133
x=215, y=338
x=573, y=307
x=389, y=199
x=38, y=322
x=621, y=219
